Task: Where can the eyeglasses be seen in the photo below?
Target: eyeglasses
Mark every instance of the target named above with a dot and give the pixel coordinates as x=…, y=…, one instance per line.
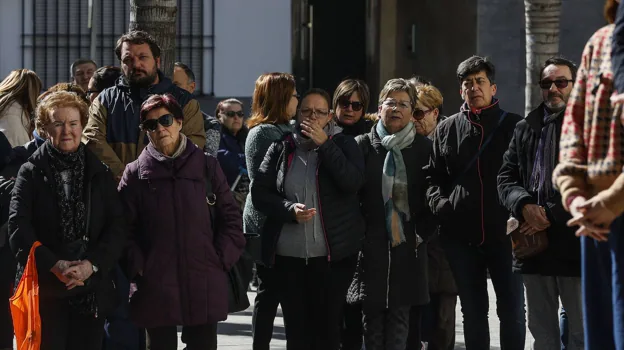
x=419, y=114
x=306, y=112
x=231, y=114
x=356, y=106
x=152, y=124
x=395, y=104
x=297, y=96
x=559, y=83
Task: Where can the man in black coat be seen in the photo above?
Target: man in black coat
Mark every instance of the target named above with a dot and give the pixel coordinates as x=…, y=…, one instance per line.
x=526, y=190
x=467, y=153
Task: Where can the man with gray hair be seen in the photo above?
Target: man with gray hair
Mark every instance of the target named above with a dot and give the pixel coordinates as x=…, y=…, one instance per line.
x=184, y=78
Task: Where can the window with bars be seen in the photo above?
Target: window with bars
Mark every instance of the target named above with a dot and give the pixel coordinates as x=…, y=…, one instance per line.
x=59, y=34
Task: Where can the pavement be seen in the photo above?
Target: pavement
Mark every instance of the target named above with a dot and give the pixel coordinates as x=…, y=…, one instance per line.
x=235, y=332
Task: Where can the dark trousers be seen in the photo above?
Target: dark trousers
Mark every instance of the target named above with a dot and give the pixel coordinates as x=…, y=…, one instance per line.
x=352, y=332
x=312, y=293
x=265, y=308
x=62, y=328
x=470, y=264
x=603, y=289
x=386, y=329
x=203, y=337
x=120, y=332
x=415, y=328
x=438, y=325
x=7, y=278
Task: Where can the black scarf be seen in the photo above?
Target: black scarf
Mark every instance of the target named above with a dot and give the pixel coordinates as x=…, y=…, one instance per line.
x=68, y=174
x=545, y=160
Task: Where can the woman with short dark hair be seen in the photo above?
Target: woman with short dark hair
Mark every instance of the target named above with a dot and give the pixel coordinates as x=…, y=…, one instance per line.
x=177, y=255
x=65, y=198
x=350, y=102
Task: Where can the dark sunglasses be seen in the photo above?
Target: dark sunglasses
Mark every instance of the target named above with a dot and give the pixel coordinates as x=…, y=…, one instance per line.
x=231, y=114
x=559, y=83
x=419, y=114
x=356, y=106
x=152, y=124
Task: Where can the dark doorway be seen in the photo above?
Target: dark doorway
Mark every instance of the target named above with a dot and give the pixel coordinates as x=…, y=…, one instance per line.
x=337, y=32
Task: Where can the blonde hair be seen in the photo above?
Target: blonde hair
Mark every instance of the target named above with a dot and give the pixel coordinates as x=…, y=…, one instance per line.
x=429, y=96
x=57, y=100
x=21, y=86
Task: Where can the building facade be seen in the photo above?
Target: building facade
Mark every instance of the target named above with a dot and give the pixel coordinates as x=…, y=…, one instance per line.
x=229, y=43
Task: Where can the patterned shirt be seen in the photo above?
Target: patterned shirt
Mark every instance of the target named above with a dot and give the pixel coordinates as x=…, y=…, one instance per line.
x=592, y=141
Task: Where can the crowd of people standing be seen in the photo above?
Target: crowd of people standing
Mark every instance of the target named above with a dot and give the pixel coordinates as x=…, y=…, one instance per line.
x=368, y=226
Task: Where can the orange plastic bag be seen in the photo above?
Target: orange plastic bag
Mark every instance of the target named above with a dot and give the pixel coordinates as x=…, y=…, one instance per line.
x=25, y=307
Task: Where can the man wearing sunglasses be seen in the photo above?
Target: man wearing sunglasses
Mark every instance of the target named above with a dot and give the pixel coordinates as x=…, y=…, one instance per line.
x=526, y=190
x=112, y=131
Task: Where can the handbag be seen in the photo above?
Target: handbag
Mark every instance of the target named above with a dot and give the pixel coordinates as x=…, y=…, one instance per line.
x=241, y=272
x=25, y=306
x=525, y=246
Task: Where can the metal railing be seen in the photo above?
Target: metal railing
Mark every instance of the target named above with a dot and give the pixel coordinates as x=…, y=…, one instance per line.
x=59, y=34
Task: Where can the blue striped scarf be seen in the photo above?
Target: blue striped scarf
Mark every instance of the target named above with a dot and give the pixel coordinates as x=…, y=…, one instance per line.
x=394, y=181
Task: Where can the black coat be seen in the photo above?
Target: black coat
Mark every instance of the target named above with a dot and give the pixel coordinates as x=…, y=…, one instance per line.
x=562, y=257
x=340, y=176
x=361, y=127
x=35, y=216
x=467, y=201
x=393, y=277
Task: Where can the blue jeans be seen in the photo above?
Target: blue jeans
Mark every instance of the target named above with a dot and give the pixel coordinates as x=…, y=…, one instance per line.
x=603, y=290
x=470, y=264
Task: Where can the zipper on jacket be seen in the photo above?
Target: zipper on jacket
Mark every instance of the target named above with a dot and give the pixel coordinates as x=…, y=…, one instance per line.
x=480, y=180
x=320, y=210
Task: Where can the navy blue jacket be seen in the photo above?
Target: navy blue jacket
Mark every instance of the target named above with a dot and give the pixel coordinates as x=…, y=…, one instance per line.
x=231, y=154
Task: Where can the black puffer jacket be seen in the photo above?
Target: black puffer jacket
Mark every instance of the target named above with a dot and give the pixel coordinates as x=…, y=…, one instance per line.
x=340, y=175
x=396, y=277
x=563, y=255
x=467, y=201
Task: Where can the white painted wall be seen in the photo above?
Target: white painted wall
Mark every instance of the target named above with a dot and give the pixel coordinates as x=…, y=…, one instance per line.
x=252, y=37
x=10, y=40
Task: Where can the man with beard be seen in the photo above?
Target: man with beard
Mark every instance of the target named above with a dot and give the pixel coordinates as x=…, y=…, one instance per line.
x=112, y=131
x=526, y=190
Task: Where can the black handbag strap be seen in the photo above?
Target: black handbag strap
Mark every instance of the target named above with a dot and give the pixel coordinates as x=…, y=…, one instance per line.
x=211, y=198
x=481, y=150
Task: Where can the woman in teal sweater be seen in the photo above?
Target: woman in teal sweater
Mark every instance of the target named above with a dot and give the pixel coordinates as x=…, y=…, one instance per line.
x=274, y=104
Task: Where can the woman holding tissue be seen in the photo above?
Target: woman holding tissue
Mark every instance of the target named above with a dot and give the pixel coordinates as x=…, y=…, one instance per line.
x=307, y=187
x=65, y=198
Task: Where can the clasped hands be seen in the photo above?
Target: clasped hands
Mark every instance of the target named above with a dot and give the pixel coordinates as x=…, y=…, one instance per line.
x=592, y=216
x=72, y=273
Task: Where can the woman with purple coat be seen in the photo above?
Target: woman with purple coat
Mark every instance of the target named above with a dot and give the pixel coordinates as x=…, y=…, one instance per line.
x=179, y=263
